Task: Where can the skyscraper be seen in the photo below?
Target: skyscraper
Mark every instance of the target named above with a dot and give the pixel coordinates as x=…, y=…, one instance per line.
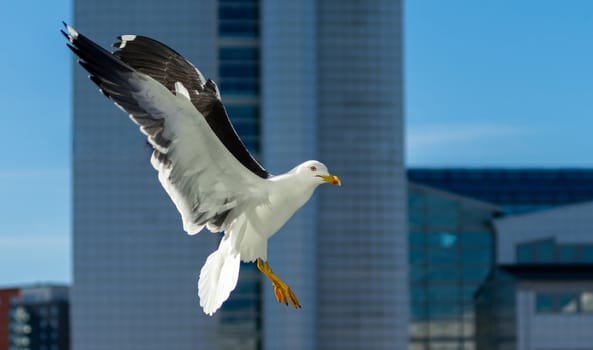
x=39, y=318
x=301, y=80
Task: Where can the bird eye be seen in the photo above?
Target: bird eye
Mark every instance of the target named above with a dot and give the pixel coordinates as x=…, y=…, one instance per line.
x=313, y=168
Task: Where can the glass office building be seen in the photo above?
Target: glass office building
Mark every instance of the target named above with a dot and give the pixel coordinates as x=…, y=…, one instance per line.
x=514, y=190
x=301, y=80
x=451, y=244
x=536, y=238
x=239, y=82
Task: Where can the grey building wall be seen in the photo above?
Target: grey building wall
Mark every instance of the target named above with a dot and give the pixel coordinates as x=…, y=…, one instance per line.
x=362, y=235
x=331, y=88
x=570, y=224
x=553, y=330
x=289, y=136
x=135, y=270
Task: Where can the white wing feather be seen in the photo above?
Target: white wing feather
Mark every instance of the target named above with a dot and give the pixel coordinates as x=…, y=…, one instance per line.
x=202, y=171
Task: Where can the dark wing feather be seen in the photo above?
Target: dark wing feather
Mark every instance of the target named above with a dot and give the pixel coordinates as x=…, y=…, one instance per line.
x=204, y=194
x=167, y=67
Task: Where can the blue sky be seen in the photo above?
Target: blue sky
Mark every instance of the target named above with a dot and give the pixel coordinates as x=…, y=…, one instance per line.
x=499, y=83
x=487, y=83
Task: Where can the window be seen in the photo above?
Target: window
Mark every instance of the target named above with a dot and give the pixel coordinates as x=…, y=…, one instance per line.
x=442, y=255
x=477, y=255
x=477, y=238
x=445, y=328
x=545, y=251
x=564, y=302
x=443, y=310
x=238, y=18
x=442, y=239
x=525, y=253
x=567, y=253
x=417, y=273
x=568, y=302
x=587, y=254
x=475, y=272
x=444, y=293
x=544, y=302
x=586, y=301
x=419, y=311
x=417, y=239
x=240, y=54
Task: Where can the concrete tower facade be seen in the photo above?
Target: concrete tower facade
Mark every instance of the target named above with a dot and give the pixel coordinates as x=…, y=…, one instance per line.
x=328, y=86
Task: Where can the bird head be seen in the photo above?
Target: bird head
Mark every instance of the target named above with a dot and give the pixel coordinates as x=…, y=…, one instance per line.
x=316, y=172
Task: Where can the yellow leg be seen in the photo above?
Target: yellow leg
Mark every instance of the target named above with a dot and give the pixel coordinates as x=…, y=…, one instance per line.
x=282, y=291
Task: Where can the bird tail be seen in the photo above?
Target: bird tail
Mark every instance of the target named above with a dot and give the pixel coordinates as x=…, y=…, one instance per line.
x=219, y=276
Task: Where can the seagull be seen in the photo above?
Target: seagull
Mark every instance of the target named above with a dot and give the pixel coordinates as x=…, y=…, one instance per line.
x=202, y=164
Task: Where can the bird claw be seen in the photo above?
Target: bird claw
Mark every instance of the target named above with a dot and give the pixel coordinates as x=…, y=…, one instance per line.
x=282, y=291
x=284, y=294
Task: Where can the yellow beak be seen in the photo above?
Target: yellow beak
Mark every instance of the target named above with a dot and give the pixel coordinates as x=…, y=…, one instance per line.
x=332, y=179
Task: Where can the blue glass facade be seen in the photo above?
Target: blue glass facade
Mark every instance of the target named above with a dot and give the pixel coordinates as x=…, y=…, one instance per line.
x=495, y=305
x=514, y=190
x=548, y=251
x=238, y=80
x=451, y=245
x=238, y=18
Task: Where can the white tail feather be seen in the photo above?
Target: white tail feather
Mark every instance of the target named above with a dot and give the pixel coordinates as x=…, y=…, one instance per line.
x=218, y=277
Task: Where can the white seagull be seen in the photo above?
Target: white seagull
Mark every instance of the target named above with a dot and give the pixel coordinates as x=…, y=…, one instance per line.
x=201, y=162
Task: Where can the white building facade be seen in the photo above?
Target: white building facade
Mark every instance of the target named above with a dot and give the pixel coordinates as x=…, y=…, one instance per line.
x=541, y=295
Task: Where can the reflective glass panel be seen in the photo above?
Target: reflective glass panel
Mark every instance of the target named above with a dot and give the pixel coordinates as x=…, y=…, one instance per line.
x=587, y=254
x=545, y=251
x=587, y=302
x=445, y=328
x=479, y=238
x=443, y=273
x=544, y=302
x=419, y=311
x=417, y=273
x=417, y=238
x=568, y=302
x=418, y=293
x=442, y=239
x=443, y=310
x=444, y=345
x=476, y=255
x=525, y=253
x=442, y=255
x=475, y=272
x=444, y=292
x=567, y=253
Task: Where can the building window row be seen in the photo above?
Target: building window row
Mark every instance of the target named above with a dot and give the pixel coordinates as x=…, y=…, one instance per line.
x=564, y=302
x=547, y=251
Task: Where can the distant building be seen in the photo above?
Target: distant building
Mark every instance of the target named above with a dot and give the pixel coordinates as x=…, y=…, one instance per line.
x=443, y=272
x=536, y=307
x=38, y=318
x=451, y=243
x=6, y=295
x=540, y=296
x=515, y=190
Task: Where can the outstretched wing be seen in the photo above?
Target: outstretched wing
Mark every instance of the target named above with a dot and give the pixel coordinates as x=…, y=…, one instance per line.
x=166, y=66
x=206, y=175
